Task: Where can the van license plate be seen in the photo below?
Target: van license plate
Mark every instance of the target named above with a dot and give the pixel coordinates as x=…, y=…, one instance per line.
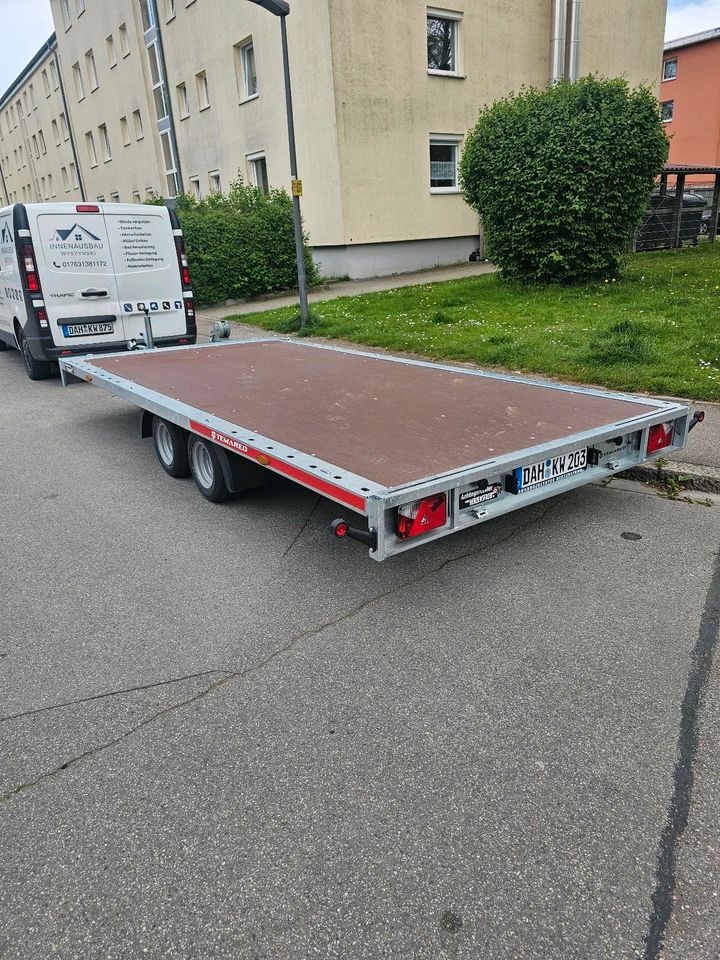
x=544, y=472
x=87, y=329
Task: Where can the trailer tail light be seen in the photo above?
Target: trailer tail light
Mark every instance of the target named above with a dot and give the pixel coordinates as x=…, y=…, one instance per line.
x=421, y=516
x=660, y=436
x=183, y=263
x=27, y=258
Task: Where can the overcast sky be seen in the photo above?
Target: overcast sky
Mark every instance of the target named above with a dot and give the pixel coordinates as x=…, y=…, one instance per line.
x=26, y=24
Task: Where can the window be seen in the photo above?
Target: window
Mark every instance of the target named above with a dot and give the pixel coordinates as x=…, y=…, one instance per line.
x=27, y=108
x=124, y=42
x=214, y=177
x=104, y=142
x=46, y=83
x=65, y=7
x=36, y=148
x=444, y=154
x=51, y=190
x=169, y=9
x=669, y=69
x=111, y=54
x=203, y=93
x=666, y=111
x=443, y=29
x=161, y=105
x=125, y=131
x=73, y=175
x=195, y=188
x=80, y=6
x=43, y=192
x=66, y=182
x=137, y=123
x=136, y=196
x=77, y=77
x=91, y=70
x=115, y=197
x=146, y=11
x=249, y=86
x=64, y=127
x=149, y=193
x=173, y=187
x=54, y=76
x=182, y=100
x=90, y=144
x=20, y=154
x=43, y=146
x=258, y=171
x=32, y=97
x=56, y=132
x=100, y=199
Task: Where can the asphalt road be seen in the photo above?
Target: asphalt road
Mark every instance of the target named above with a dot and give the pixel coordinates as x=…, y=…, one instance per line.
x=226, y=735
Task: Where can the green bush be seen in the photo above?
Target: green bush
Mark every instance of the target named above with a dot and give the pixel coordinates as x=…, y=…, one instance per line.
x=240, y=244
x=562, y=177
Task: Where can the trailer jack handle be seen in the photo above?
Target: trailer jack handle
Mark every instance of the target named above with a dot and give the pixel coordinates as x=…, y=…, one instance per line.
x=698, y=417
x=342, y=530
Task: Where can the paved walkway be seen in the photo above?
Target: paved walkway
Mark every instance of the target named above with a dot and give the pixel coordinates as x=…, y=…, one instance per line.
x=350, y=288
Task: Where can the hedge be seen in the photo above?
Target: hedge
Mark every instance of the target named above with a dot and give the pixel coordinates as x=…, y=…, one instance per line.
x=561, y=177
x=240, y=244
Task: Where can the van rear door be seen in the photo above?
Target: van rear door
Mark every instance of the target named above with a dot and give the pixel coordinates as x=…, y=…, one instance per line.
x=77, y=276
x=146, y=268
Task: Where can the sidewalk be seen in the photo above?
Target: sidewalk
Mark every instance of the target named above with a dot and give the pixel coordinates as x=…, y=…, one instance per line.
x=349, y=288
x=700, y=459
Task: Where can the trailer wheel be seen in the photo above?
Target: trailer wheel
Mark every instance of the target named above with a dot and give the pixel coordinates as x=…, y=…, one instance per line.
x=206, y=469
x=171, y=447
x=36, y=369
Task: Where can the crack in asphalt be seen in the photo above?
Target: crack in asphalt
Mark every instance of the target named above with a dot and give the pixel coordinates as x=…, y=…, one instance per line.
x=303, y=527
x=678, y=815
x=279, y=652
x=110, y=693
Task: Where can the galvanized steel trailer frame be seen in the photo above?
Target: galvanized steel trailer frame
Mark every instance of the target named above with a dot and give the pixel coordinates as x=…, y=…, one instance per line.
x=616, y=447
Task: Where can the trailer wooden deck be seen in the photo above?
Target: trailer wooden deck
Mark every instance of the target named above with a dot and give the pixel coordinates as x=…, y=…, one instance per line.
x=391, y=420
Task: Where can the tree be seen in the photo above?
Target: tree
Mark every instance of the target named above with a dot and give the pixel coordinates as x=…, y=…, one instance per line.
x=562, y=177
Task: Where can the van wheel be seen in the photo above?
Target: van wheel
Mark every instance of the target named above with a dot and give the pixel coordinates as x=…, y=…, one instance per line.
x=206, y=469
x=171, y=447
x=36, y=369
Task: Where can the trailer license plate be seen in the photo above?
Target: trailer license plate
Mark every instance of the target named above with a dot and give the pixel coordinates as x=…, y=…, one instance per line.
x=544, y=472
x=87, y=329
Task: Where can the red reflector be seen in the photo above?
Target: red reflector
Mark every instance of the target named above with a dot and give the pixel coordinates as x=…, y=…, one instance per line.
x=66, y=353
x=182, y=340
x=421, y=516
x=87, y=208
x=340, y=529
x=660, y=436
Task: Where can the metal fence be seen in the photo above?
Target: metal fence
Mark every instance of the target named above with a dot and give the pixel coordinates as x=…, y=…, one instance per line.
x=680, y=214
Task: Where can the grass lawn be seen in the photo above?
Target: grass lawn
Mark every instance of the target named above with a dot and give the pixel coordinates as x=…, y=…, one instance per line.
x=657, y=329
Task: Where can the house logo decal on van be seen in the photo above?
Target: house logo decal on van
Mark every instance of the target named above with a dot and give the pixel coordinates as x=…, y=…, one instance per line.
x=75, y=235
x=5, y=235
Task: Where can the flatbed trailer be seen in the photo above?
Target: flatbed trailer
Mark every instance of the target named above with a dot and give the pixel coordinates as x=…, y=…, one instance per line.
x=419, y=449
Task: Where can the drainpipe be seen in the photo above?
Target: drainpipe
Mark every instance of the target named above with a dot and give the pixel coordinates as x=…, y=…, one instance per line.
x=71, y=131
x=573, y=45
x=558, y=29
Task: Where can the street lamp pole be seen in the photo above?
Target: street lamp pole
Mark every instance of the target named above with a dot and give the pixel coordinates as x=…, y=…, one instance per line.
x=281, y=9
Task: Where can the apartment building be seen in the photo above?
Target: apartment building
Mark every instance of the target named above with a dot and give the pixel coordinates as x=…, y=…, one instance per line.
x=185, y=95
x=690, y=100
x=37, y=159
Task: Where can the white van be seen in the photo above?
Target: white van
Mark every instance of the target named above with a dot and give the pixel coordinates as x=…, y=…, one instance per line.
x=77, y=278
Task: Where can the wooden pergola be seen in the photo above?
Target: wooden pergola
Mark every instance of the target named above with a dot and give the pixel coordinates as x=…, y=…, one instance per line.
x=680, y=171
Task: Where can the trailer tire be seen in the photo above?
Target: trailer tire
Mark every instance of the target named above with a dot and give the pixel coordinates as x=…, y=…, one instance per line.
x=36, y=369
x=171, y=447
x=207, y=470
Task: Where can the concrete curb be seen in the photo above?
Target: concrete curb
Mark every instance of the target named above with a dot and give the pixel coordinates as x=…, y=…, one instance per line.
x=694, y=477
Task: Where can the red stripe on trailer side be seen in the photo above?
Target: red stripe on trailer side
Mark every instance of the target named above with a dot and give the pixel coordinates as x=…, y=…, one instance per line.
x=309, y=479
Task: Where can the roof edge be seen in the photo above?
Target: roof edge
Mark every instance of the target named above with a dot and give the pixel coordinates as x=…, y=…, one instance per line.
x=693, y=38
x=49, y=45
